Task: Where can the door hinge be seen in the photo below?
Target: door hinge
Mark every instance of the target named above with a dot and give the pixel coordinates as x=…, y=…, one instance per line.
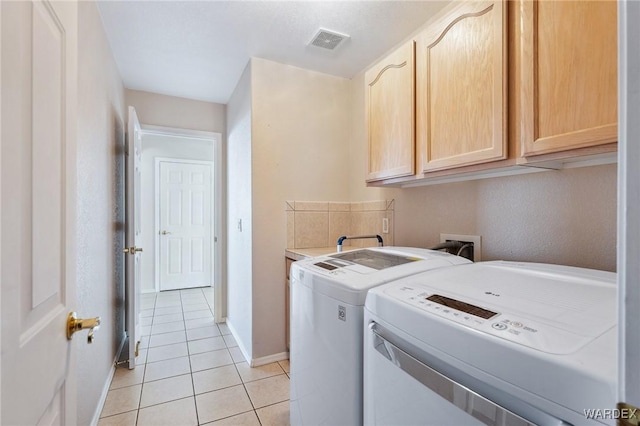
x=126, y=361
x=627, y=415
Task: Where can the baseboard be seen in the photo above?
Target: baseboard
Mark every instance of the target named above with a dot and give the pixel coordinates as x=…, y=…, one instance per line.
x=105, y=388
x=256, y=362
x=234, y=333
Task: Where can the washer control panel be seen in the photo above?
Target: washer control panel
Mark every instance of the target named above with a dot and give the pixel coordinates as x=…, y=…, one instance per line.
x=490, y=320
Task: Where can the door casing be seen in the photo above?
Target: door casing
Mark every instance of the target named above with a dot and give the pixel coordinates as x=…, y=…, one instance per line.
x=218, y=212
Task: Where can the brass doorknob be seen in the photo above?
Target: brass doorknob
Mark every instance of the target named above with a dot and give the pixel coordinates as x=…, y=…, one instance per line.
x=132, y=250
x=76, y=324
x=165, y=232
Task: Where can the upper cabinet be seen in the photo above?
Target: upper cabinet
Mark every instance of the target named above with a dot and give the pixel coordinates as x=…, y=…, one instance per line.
x=389, y=100
x=568, y=75
x=499, y=86
x=461, y=87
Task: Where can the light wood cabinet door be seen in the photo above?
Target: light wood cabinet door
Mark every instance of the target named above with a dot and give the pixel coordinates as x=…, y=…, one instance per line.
x=390, y=115
x=568, y=75
x=461, y=87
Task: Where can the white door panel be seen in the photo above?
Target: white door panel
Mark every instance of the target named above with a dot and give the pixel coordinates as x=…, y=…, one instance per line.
x=38, y=172
x=53, y=415
x=133, y=225
x=185, y=225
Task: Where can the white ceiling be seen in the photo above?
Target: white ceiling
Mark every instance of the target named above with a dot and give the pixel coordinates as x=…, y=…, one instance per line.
x=198, y=49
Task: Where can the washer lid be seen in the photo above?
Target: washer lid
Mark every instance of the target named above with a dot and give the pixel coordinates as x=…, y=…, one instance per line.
x=349, y=282
x=377, y=260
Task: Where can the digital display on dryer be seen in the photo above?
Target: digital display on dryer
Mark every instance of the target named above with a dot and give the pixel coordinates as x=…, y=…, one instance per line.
x=462, y=306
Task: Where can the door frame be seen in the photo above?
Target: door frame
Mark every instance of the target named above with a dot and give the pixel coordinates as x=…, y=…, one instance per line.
x=628, y=204
x=0, y=204
x=156, y=227
x=218, y=213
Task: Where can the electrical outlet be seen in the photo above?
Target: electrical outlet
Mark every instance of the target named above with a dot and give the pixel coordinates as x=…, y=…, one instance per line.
x=385, y=225
x=476, y=240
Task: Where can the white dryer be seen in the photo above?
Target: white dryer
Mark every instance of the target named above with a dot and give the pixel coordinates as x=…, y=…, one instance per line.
x=499, y=343
x=327, y=305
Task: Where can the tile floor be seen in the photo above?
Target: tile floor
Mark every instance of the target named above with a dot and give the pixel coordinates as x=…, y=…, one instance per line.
x=190, y=372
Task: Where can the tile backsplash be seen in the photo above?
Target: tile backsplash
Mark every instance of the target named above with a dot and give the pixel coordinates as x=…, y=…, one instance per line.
x=312, y=224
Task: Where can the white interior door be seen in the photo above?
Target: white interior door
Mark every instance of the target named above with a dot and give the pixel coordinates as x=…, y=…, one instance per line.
x=133, y=250
x=184, y=224
x=38, y=175
x=629, y=206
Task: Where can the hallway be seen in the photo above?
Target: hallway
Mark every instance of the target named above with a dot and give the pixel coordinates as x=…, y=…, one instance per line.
x=190, y=371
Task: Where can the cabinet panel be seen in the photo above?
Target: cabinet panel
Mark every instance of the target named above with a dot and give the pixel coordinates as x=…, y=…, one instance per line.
x=569, y=75
x=389, y=99
x=461, y=88
x=287, y=301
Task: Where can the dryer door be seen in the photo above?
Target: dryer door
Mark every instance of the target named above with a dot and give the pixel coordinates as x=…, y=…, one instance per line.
x=401, y=389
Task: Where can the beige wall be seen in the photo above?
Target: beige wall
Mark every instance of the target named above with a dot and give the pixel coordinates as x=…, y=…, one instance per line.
x=100, y=195
x=565, y=217
x=170, y=111
x=300, y=131
x=239, y=241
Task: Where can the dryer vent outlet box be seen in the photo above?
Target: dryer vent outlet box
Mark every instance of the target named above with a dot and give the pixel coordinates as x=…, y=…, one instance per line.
x=473, y=251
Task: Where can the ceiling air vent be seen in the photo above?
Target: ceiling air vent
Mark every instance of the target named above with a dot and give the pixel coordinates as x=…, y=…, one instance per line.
x=329, y=40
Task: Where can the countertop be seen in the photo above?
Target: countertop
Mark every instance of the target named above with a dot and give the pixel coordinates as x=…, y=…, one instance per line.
x=299, y=254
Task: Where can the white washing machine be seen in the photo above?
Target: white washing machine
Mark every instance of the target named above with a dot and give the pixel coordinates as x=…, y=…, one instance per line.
x=327, y=304
x=497, y=343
